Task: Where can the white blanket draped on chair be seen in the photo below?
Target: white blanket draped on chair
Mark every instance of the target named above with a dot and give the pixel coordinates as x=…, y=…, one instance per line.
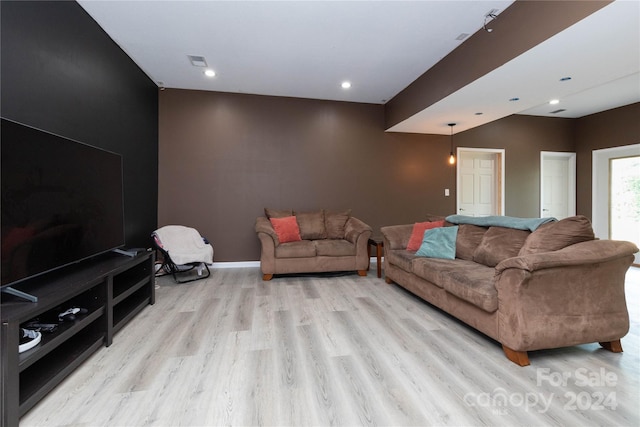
x=185, y=245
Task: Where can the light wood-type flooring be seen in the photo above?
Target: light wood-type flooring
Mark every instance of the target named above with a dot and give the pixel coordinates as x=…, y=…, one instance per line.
x=332, y=350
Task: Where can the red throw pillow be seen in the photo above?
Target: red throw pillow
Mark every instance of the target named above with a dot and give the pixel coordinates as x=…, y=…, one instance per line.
x=286, y=229
x=418, y=233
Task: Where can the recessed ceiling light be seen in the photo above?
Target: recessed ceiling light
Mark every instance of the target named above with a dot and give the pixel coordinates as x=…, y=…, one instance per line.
x=210, y=73
x=346, y=85
x=554, y=101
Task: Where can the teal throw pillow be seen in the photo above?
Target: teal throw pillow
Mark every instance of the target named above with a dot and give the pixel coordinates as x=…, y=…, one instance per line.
x=439, y=243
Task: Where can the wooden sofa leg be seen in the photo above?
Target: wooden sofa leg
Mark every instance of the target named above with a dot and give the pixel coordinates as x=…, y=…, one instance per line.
x=388, y=281
x=362, y=272
x=518, y=357
x=267, y=277
x=613, y=346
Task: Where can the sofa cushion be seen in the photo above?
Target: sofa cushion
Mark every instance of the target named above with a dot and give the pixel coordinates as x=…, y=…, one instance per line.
x=468, y=240
x=311, y=225
x=417, y=233
x=334, y=247
x=474, y=285
x=400, y=257
x=439, y=243
x=277, y=213
x=554, y=236
x=434, y=270
x=499, y=243
x=334, y=223
x=286, y=229
x=301, y=249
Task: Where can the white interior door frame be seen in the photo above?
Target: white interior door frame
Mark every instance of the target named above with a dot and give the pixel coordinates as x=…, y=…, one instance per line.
x=571, y=193
x=500, y=175
x=600, y=185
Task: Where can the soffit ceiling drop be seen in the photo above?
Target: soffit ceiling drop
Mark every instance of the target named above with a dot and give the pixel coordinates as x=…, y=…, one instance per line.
x=306, y=49
x=603, y=66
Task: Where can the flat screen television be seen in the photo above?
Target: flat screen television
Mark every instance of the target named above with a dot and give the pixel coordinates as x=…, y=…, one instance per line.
x=62, y=202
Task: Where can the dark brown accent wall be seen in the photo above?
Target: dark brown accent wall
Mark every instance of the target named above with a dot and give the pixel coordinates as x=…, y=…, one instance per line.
x=612, y=128
x=518, y=28
x=224, y=157
x=523, y=138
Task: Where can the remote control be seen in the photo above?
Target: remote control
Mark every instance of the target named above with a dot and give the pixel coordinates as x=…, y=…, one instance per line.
x=71, y=313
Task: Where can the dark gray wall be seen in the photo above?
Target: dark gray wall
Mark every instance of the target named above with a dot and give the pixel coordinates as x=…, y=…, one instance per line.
x=224, y=157
x=61, y=73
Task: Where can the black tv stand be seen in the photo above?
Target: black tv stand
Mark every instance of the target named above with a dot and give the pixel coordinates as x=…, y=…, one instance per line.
x=18, y=293
x=112, y=288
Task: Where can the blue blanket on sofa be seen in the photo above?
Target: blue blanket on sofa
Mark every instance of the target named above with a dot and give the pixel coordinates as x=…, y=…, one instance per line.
x=500, y=221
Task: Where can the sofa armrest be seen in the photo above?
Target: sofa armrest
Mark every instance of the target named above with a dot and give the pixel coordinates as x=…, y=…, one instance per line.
x=563, y=298
x=358, y=233
x=266, y=234
x=354, y=228
x=263, y=225
x=268, y=242
x=592, y=251
x=396, y=236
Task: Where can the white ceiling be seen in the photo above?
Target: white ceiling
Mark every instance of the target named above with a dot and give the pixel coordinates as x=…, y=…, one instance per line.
x=306, y=49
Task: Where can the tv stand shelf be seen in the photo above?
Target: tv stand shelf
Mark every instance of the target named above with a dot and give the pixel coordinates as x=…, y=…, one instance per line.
x=52, y=341
x=113, y=289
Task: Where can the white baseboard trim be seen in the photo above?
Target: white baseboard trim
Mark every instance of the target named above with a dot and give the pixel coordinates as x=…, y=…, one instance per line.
x=235, y=264
x=246, y=264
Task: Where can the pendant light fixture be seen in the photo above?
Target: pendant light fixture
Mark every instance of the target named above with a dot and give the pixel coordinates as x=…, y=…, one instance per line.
x=452, y=158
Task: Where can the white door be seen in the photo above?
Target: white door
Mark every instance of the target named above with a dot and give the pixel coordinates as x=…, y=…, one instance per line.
x=557, y=184
x=479, y=182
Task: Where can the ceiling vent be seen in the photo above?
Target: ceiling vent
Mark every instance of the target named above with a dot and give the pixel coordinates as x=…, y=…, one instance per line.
x=197, y=61
x=558, y=111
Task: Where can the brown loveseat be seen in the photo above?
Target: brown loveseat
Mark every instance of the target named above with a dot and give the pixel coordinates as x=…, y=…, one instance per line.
x=556, y=286
x=328, y=241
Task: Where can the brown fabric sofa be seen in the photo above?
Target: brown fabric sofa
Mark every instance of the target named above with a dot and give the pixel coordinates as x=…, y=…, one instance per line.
x=330, y=241
x=554, y=287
